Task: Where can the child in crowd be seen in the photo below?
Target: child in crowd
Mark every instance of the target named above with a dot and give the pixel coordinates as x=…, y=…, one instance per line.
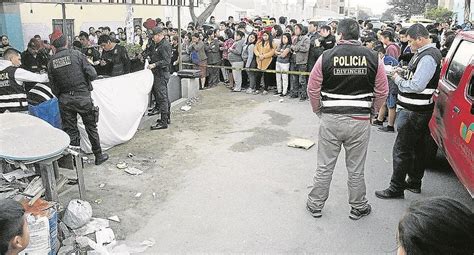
x=391, y=102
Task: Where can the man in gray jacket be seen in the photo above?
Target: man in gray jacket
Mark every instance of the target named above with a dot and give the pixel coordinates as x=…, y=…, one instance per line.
x=300, y=50
x=213, y=57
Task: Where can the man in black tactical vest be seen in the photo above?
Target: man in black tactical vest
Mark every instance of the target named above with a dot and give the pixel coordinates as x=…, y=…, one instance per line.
x=415, y=101
x=160, y=66
x=70, y=76
x=114, y=60
x=13, y=97
x=91, y=52
x=346, y=85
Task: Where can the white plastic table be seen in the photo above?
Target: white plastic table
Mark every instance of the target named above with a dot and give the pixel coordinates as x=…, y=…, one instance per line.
x=30, y=140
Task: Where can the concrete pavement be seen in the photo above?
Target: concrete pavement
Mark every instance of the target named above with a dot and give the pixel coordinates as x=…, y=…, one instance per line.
x=245, y=190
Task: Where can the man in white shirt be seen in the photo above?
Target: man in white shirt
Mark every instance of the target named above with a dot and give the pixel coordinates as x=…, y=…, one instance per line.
x=12, y=92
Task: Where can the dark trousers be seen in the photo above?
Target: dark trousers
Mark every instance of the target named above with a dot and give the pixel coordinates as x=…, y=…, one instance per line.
x=267, y=80
x=245, y=80
x=213, y=75
x=160, y=92
x=410, y=151
x=72, y=105
x=299, y=82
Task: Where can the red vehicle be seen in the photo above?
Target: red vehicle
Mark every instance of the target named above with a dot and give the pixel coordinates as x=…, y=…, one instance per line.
x=452, y=124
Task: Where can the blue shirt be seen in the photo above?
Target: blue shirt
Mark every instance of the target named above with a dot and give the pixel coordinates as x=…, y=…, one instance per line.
x=390, y=61
x=424, y=72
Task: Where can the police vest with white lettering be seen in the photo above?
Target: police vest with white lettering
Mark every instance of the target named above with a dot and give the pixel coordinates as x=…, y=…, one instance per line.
x=349, y=73
x=421, y=101
x=65, y=68
x=12, y=94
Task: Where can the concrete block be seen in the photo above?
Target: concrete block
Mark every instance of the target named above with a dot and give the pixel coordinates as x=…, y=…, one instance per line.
x=174, y=88
x=189, y=87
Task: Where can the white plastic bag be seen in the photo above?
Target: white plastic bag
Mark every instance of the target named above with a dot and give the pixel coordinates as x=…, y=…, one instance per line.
x=78, y=214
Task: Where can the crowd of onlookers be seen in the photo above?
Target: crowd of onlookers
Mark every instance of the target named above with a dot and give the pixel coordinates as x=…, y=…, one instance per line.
x=221, y=50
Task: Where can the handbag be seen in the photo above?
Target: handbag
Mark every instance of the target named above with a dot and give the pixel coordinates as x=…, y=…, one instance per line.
x=195, y=57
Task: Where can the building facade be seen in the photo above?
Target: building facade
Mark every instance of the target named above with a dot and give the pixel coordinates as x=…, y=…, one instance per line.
x=41, y=18
x=462, y=14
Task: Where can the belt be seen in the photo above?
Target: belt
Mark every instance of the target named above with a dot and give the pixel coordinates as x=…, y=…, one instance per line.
x=77, y=93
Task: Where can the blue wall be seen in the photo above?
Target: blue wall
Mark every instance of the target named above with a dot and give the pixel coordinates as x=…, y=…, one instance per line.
x=10, y=25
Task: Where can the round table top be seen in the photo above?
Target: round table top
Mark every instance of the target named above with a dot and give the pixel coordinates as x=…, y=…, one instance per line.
x=25, y=137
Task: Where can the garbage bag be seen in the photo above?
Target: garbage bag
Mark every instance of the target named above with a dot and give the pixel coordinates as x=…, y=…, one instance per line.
x=78, y=213
x=47, y=111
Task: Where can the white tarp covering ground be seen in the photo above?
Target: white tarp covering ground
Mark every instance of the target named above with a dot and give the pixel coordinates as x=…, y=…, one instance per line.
x=122, y=101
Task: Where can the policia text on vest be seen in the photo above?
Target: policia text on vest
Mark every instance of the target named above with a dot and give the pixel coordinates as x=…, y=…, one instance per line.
x=350, y=65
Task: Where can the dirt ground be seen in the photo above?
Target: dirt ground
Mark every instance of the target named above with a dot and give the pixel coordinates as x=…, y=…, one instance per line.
x=164, y=156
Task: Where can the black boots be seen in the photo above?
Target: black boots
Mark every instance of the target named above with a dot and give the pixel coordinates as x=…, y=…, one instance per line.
x=101, y=158
x=162, y=123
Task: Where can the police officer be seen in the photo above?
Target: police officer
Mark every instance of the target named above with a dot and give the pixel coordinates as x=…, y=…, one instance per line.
x=416, y=106
x=70, y=75
x=114, y=57
x=160, y=66
x=13, y=96
x=314, y=49
x=34, y=60
x=91, y=52
x=346, y=85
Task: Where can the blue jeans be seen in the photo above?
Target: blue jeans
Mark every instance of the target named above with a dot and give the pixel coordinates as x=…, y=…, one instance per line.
x=410, y=149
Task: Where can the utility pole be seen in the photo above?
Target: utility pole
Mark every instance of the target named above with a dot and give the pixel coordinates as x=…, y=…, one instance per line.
x=63, y=5
x=180, y=47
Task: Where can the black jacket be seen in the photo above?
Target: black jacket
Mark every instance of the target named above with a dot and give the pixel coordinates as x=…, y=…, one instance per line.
x=161, y=57
x=69, y=71
x=117, y=59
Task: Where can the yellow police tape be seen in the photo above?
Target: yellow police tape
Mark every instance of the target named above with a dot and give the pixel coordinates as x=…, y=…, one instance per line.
x=252, y=69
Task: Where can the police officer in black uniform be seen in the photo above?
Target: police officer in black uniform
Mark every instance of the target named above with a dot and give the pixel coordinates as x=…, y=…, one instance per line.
x=34, y=60
x=114, y=57
x=160, y=66
x=70, y=75
x=91, y=52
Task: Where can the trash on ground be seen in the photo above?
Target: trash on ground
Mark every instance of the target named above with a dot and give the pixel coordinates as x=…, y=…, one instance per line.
x=132, y=248
x=104, y=236
x=185, y=108
x=133, y=171
x=138, y=195
x=301, y=143
x=78, y=213
x=98, y=201
x=114, y=218
x=122, y=165
x=64, y=229
x=131, y=155
x=18, y=174
x=102, y=185
x=70, y=241
x=66, y=250
x=94, y=225
x=281, y=100
x=154, y=195
x=34, y=187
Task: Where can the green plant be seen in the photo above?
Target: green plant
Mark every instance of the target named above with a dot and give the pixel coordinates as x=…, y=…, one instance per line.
x=439, y=14
x=133, y=50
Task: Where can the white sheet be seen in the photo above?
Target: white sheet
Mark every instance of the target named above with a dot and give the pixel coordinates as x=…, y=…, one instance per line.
x=122, y=101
